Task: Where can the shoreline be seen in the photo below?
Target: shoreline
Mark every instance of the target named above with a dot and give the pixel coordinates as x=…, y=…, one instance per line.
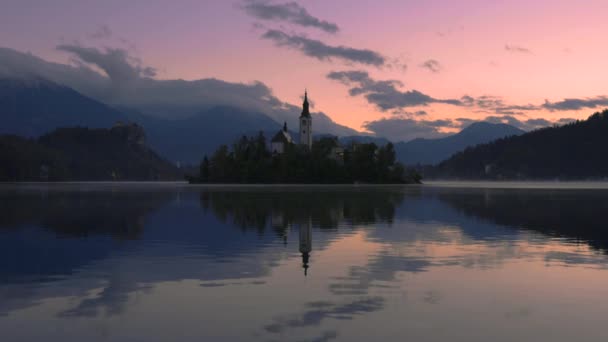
x=548, y=185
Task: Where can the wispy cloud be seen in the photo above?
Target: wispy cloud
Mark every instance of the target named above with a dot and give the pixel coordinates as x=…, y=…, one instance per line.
x=290, y=12
x=432, y=65
x=497, y=105
x=102, y=32
x=384, y=94
x=577, y=103
x=517, y=49
x=115, y=62
x=406, y=129
x=321, y=51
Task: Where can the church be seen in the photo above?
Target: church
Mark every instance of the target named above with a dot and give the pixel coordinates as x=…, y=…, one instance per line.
x=282, y=139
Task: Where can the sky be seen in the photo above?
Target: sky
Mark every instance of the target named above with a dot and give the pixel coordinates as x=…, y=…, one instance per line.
x=397, y=68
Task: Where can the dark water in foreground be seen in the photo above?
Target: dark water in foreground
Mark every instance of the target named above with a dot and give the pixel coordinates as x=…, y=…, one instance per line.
x=85, y=262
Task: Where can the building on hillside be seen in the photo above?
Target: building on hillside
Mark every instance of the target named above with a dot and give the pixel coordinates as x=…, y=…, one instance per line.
x=279, y=142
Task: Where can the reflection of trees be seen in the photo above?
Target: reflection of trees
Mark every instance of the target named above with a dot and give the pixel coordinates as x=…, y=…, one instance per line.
x=281, y=207
x=119, y=214
x=562, y=213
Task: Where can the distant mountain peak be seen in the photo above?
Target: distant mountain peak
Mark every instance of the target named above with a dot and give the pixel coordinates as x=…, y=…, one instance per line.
x=432, y=151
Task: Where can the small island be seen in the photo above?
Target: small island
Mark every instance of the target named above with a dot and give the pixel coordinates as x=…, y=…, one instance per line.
x=323, y=161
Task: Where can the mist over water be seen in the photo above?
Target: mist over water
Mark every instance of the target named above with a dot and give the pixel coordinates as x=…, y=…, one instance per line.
x=445, y=261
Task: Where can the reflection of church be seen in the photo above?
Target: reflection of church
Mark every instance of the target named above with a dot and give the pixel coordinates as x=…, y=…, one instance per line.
x=306, y=243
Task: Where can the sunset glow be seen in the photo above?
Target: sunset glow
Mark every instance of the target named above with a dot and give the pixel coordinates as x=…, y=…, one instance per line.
x=499, y=59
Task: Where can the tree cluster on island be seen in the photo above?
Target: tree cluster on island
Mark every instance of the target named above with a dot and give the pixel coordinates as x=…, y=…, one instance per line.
x=249, y=160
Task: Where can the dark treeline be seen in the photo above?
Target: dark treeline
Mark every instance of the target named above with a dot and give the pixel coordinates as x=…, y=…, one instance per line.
x=86, y=154
x=250, y=161
x=572, y=151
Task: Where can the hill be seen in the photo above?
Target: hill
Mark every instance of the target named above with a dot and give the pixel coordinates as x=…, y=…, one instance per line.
x=188, y=140
x=32, y=107
x=572, y=151
x=433, y=151
x=83, y=154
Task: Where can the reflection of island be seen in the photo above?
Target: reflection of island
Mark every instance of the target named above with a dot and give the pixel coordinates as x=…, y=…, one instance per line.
x=285, y=209
x=281, y=207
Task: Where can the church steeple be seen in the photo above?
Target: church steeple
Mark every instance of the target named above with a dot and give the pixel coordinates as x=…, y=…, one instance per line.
x=305, y=123
x=305, y=109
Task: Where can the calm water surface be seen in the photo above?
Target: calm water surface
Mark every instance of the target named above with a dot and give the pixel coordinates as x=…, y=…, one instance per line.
x=168, y=262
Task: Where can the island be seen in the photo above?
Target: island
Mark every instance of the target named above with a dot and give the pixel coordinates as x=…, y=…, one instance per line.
x=320, y=161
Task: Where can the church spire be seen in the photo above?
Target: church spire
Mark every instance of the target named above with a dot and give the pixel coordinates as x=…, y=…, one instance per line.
x=285, y=127
x=305, y=109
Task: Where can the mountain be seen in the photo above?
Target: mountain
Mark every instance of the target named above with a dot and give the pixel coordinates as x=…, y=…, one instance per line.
x=363, y=139
x=122, y=84
x=188, y=140
x=32, y=107
x=83, y=154
x=433, y=151
x=572, y=151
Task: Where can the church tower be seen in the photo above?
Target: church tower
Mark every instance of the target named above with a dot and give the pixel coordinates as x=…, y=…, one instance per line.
x=305, y=124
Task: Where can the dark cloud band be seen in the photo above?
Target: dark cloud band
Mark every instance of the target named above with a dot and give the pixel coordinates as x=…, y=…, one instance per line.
x=384, y=94
x=287, y=12
x=322, y=51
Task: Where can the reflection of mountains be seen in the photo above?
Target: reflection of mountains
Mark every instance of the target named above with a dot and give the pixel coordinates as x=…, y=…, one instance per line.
x=280, y=208
x=119, y=214
x=572, y=214
x=30, y=221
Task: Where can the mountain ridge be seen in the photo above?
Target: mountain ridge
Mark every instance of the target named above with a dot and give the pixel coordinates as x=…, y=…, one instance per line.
x=571, y=151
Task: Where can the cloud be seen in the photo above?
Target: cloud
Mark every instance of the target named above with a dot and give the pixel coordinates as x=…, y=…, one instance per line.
x=526, y=125
x=115, y=62
x=496, y=105
x=403, y=128
x=102, y=32
x=316, y=313
x=576, y=104
x=125, y=81
x=289, y=12
x=564, y=121
x=384, y=94
x=406, y=129
x=517, y=49
x=432, y=65
x=321, y=51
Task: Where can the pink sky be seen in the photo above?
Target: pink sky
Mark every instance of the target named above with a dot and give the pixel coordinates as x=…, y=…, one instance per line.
x=558, y=48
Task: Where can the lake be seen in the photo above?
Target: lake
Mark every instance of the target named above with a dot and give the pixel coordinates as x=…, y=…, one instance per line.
x=172, y=262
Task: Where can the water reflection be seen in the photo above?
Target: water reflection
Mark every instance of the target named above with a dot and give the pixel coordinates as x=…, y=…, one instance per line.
x=344, y=263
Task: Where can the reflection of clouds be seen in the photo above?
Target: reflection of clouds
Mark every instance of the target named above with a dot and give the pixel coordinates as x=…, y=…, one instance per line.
x=575, y=259
x=432, y=297
x=112, y=300
x=316, y=312
x=382, y=268
x=518, y=313
x=326, y=336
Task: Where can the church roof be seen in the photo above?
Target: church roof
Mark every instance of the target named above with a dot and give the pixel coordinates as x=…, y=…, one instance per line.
x=282, y=136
